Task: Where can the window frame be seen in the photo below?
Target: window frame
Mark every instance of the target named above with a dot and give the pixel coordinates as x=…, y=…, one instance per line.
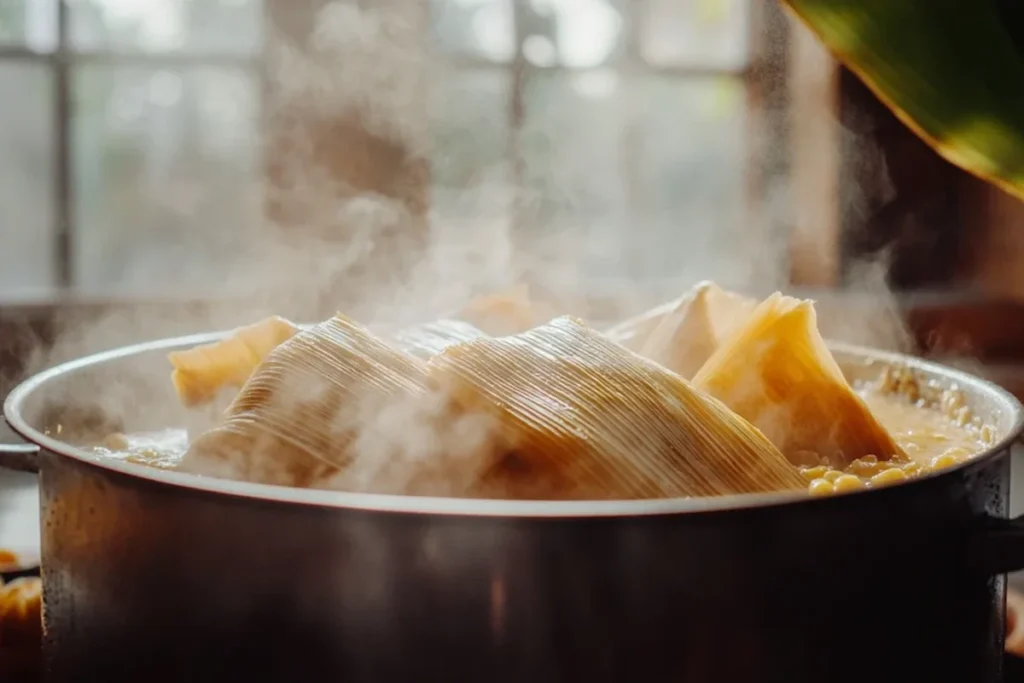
x=65, y=58
x=61, y=62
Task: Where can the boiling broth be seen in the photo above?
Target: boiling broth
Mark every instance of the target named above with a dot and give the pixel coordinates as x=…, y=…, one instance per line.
x=932, y=434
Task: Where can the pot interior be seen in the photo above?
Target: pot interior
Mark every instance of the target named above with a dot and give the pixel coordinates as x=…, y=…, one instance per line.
x=129, y=390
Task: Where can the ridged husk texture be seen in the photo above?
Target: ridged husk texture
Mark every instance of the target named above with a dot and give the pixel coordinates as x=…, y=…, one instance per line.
x=776, y=371
x=586, y=412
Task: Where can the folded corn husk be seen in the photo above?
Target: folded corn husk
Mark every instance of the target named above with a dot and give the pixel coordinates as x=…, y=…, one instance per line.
x=704, y=300
x=430, y=339
x=634, y=332
x=295, y=420
x=776, y=371
x=200, y=373
x=687, y=336
x=601, y=422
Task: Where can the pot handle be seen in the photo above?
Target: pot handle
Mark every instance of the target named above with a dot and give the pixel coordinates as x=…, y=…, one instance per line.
x=23, y=457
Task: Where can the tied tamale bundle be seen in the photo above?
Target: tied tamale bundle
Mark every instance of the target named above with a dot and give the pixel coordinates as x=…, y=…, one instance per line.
x=200, y=373
x=297, y=417
x=776, y=371
x=687, y=336
x=602, y=422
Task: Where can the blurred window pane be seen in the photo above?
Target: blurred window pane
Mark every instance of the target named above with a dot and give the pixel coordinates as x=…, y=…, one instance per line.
x=470, y=139
x=29, y=23
x=700, y=33
x=481, y=29
x=165, y=176
x=574, y=196
x=206, y=26
x=573, y=33
x=26, y=181
x=689, y=219
x=471, y=191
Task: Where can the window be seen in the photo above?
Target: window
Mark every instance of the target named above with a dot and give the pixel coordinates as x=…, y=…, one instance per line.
x=129, y=138
x=612, y=130
x=626, y=125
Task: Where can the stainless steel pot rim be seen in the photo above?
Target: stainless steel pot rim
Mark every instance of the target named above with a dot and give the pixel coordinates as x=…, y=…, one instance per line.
x=462, y=506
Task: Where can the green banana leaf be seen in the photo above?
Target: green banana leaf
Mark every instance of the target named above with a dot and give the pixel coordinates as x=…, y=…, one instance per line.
x=951, y=70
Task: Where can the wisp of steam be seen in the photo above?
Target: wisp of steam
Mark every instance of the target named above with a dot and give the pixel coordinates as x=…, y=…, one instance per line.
x=348, y=220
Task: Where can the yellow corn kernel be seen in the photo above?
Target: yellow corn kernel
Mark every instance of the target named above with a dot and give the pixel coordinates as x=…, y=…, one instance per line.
x=846, y=483
x=963, y=416
x=960, y=453
x=832, y=475
x=911, y=469
x=812, y=473
x=988, y=434
x=952, y=401
x=941, y=462
x=116, y=442
x=893, y=475
x=821, y=487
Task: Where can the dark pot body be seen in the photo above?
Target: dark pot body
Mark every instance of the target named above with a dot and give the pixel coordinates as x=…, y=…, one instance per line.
x=156, y=584
x=150, y=578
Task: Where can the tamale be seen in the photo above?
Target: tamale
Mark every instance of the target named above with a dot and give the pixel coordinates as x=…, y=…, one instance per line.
x=583, y=411
x=430, y=339
x=776, y=371
x=634, y=332
x=296, y=418
x=336, y=407
x=201, y=372
x=687, y=336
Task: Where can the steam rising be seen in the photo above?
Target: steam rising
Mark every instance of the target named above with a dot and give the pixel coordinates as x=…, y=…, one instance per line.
x=350, y=224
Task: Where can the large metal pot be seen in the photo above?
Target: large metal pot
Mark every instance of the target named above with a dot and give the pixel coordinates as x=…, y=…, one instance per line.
x=162, y=576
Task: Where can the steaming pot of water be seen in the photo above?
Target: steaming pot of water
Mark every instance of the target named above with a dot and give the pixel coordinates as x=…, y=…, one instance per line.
x=155, y=575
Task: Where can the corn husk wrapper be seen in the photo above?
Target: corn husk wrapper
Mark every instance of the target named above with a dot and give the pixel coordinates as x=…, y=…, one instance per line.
x=200, y=373
x=688, y=335
x=296, y=419
x=601, y=422
x=430, y=339
x=776, y=371
x=634, y=332
x=950, y=70
x=703, y=304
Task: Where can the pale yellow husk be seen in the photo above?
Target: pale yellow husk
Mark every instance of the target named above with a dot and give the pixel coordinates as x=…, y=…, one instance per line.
x=430, y=339
x=687, y=336
x=776, y=371
x=200, y=373
x=295, y=420
x=601, y=422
